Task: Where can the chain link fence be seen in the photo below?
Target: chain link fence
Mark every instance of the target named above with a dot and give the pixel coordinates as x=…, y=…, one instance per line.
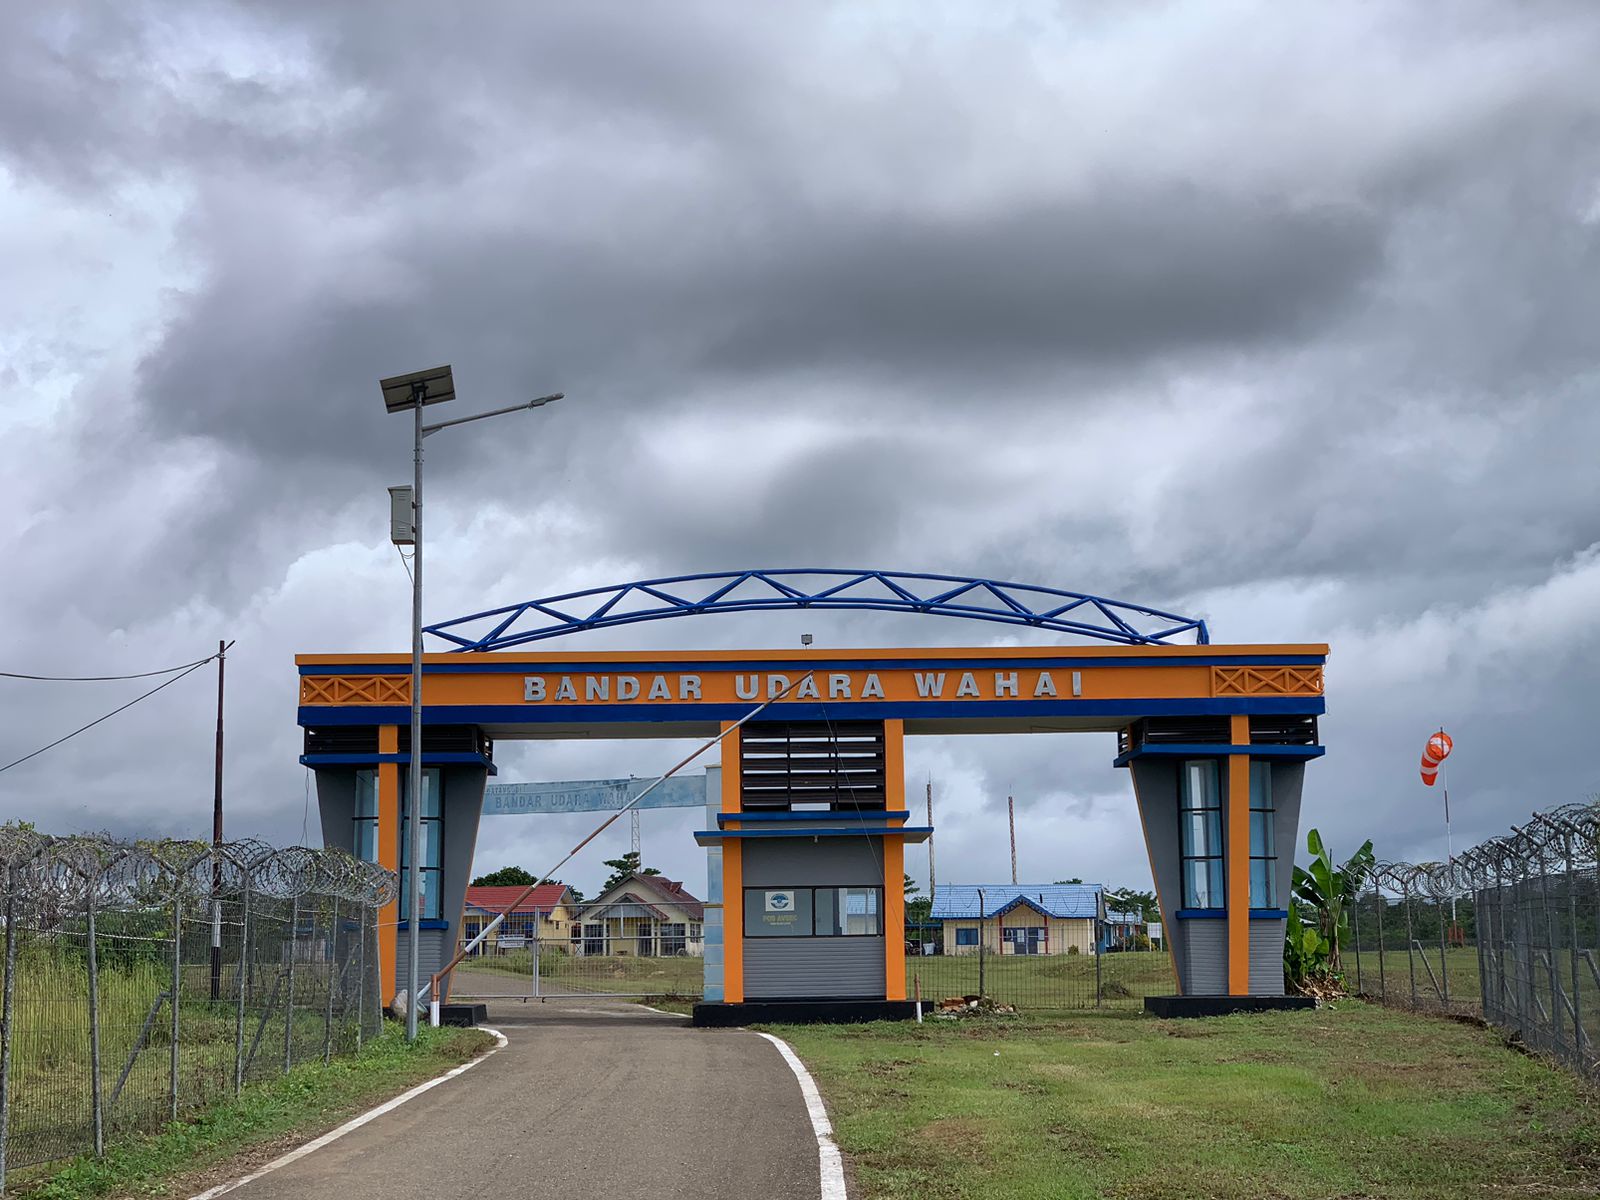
x=1089, y=978
x=1509, y=932
x=143, y=981
x=535, y=968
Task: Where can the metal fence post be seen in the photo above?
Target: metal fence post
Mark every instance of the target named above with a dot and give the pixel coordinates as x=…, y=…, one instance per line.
x=1578, y=1034
x=95, y=1101
x=537, y=948
x=1099, y=988
x=1480, y=926
x=1411, y=963
x=1356, y=932
x=1383, y=974
x=288, y=1008
x=361, y=977
x=8, y=1001
x=1557, y=992
x=1444, y=967
x=177, y=994
x=244, y=973
x=1521, y=936
x=334, y=974
x=1503, y=892
x=981, y=939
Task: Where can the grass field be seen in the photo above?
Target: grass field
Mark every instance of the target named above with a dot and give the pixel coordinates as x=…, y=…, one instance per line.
x=296, y=1106
x=1460, y=974
x=1354, y=1100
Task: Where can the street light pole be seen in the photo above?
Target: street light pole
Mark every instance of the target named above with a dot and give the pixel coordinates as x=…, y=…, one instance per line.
x=414, y=789
x=416, y=391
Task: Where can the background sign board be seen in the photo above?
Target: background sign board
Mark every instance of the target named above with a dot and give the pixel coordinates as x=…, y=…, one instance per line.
x=591, y=795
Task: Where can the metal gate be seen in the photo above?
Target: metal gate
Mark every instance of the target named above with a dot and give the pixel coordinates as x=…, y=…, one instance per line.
x=600, y=960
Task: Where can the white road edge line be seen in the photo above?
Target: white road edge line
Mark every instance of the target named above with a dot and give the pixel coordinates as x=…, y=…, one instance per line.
x=661, y=1012
x=355, y=1123
x=830, y=1165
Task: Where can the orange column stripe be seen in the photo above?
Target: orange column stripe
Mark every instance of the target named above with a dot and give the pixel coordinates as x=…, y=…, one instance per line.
x=730, y=769
x=732, y=877
x=894, y=917
x=388, y=856
x=894, y=863
x=894, y=764
x=1239, y=860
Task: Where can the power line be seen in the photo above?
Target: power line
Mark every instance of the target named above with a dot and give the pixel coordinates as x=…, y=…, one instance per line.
x=106, y=678
x=168, y=683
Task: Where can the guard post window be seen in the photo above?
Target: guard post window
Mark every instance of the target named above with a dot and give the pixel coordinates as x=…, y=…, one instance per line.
x=813, y=912
x=364, y=836
x=1263, y=851
x=432, y=846
x=1200, y=834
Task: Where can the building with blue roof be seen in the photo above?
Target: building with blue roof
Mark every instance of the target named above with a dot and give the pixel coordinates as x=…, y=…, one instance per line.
x=1028, y=918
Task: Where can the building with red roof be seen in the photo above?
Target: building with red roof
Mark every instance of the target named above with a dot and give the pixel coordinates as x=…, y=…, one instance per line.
x=544, y=914
x=648, y=916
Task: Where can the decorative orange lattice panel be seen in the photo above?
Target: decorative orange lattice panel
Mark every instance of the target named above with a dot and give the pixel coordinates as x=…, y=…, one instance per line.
x=1266, y=681
x=355, y=689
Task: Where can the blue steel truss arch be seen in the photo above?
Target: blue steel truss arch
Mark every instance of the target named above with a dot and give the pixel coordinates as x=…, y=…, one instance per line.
x=1024, y=604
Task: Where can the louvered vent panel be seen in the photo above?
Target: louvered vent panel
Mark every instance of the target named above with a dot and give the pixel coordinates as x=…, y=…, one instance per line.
x=812, y=765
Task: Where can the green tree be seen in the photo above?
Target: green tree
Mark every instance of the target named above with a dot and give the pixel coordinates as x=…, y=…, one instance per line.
x=1074, y=879
x=504, y=877
x=622, y=868
x=1134, y=900
x=911, y=887
x=517, y=877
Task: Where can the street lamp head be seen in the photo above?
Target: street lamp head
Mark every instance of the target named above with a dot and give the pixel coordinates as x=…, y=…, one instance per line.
x=401, y=393
x=543, y=400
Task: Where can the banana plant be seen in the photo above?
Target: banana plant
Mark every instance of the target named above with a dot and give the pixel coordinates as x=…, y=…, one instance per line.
x=1319, y=913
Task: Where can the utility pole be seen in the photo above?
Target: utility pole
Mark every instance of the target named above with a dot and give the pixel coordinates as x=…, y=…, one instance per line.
x=930, y=836
x=216, y=838
x=1011, y=818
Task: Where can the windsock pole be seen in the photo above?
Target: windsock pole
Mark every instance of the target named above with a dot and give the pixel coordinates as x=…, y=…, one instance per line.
x=1433, y=756
x=1449, y=845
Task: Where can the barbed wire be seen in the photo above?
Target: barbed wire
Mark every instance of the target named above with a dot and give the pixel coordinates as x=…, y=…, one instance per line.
x=113, y=873
x=1567, y=836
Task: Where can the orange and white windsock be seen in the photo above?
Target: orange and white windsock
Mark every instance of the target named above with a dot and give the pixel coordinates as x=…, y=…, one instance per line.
x=1437, y=750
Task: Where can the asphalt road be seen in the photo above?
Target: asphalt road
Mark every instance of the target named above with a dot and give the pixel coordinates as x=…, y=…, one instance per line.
x=591, y=1100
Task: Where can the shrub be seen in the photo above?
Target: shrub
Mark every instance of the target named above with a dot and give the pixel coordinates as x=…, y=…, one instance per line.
x=1319, y=918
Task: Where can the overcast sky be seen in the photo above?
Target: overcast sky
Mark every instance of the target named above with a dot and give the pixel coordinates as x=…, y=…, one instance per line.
x=1281, y=316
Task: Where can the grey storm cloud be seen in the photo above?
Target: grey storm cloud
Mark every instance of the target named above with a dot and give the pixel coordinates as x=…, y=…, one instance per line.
x=1293, y=329
x=984, y=302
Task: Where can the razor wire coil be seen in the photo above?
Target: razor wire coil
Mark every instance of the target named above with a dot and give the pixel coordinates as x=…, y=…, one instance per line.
x=113, y=873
